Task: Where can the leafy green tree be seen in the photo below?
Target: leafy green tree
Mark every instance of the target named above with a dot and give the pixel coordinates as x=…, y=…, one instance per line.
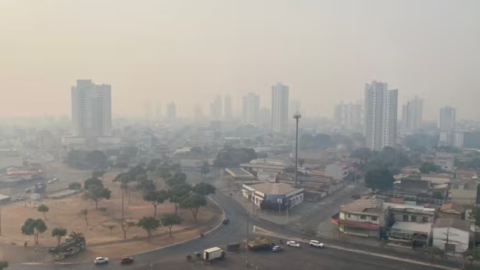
x=84, y=213
x=59, y=233
x=97, y=159
x=379, y=179
x=75, y=186
x=156, y=198
x=34, y=227
x=204, y=189
x=170, y=220
x=177, y=179
x=97, y=194
x=3, y=265
x=44, y=209
x=146, y=186
x=475, y=214
x=428, y=167
x=141, y=178
x=178, y=193
x=193, y=202
x=149, y=224
x=317, y=142
x=92, y=182
x=233, y=157
x=421, y=142
x=163, y=171
x=98, y=174
x=205, y=169
x=362, y=153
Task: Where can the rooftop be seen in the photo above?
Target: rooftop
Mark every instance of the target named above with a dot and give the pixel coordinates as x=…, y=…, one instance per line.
x=414, y=227
x=364, y=205
x=238, y=172
x=453, y=223
x=274, y=188
x=452, y=207
x=409, y=208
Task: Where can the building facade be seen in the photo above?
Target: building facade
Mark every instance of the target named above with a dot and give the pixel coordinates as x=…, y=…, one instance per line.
x=447, y=120
x=412, y=114
x=338, y=170
x=280, y=100
x=91, y=109
x=380, y=115
x=362, y=217
x=349, y=116
x=452, y=235
x=216, y=108
x=251, y=109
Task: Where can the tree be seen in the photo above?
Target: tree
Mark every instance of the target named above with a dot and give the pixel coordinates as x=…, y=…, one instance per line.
x=92, y=181
x=34, y=227
x=141, y=178
x=97, y=159
x=205, y=169
x=301, y=161
x=156, y=198
x=428, y=167
x=149, y=224
x=96, y=194
x=146, y=186
x=169, y=220
x=125, y=225
x=44, y=209
x=379, y=179
x=98, y=174
x=75, y=186
x=233, y=157
x=163, y=171
x=362, y=153
x=59, y=233
x=177, y=179
x=193, y=202
x=317, y=142
x=3, y=265
x=475, y=214
x=111, y=227
x=84, y=212
x=178, y=193
x=153, y=164
x=204, y=189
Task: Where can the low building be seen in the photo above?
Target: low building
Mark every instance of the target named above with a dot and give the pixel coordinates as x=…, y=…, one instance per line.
x=338, y=170
x=237, y=174
x=464, y=193
x=275, y=193
x=409, y=213
x=413, y=234
x=265, y=165
x=452, y=235
x=446, y=162
x=191, y=165
x=10, y=158
x=363, y=217
x=451, y=210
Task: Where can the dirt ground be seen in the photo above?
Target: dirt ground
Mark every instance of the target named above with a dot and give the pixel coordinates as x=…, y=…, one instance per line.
x=65, y=213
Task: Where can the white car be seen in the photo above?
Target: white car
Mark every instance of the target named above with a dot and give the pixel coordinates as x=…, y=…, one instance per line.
x=315, y=243
x=293, y=244
x=53, y=180
x=100, y=260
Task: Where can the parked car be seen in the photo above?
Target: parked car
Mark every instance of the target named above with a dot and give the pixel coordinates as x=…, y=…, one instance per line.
x=277, y=248
x=53, y=180
x=225, y=221
x=100, y=260
x=315, y=243
x=293, y=244
x=126, y=260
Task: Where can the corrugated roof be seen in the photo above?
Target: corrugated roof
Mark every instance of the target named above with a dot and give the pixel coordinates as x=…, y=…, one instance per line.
x=452, y=206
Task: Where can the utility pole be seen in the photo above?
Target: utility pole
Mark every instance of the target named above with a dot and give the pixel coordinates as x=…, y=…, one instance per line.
x=246, y=249
x=297, y=117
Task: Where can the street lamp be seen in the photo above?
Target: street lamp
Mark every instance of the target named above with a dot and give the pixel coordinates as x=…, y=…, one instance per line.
x=297, y=117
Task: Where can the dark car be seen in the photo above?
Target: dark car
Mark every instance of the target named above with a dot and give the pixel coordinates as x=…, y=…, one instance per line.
x=226, y=221
x=127, y=260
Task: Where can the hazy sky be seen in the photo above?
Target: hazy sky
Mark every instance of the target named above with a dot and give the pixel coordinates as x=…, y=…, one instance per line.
x=190, y=50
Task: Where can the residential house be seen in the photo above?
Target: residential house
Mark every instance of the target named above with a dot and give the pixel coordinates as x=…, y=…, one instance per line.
x=338, y=170
x=363, y=217
x=445, y=161
x=452, y=235
x=451, y=210
x=464, y=193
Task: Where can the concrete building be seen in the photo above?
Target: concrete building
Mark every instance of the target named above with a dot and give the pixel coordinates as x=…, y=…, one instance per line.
x=275, y=193
x=447, y=120
x=409, y=213
x=412, y=113
x=451, y=210
x=265, y=118
x=337, y=171
x=280, y=116
x=445, y=161
x=171, y=112
x=91, y=109
x=45, y=141
x=349, y=116
x=452, y=235
x=362, y=217
x=10, y=158
x=251, y=109
x=380, y=115
x=227, y=107
x=464, y=193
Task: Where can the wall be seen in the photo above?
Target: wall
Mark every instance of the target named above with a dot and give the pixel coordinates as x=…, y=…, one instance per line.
x=336, y=172
x=358, y=218
x=455, y=236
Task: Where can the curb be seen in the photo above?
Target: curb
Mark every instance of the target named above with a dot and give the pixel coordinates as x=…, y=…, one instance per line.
x=155, y=249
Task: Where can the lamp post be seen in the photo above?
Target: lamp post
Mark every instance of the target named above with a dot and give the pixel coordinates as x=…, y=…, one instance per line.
x=297, y=117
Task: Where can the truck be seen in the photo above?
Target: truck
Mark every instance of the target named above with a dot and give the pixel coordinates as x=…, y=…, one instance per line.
x=260, y=243
x=213, y=254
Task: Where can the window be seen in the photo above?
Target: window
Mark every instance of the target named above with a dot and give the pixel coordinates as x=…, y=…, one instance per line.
x=405, y=217
x=363, y=217
x=424, y=219
x=414, y=218
x=373, y=218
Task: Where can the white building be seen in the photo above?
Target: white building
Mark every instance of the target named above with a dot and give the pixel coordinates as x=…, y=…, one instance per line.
x=452, y=235
x=227, y=107
x=172, y=111
x=412, y=114
x=445, y=161
x=275, y=193
x=349, y=116
x=337, y=171
x=380, y=115
x=91, y=109
x=280, y=115
x=251, y=109
x=447, y=120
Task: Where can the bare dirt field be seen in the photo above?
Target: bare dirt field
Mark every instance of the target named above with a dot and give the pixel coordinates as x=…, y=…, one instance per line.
x=103, y=226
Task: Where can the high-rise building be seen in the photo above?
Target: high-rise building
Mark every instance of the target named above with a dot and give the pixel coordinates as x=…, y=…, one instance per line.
x=172, y=111
x=380, y=115
x=251, y=109
x=349, y=116
x=280, y=115
x=227, y=107
x=412, y=113
x=447, y=121
x=216, y=109
x=91, y=109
